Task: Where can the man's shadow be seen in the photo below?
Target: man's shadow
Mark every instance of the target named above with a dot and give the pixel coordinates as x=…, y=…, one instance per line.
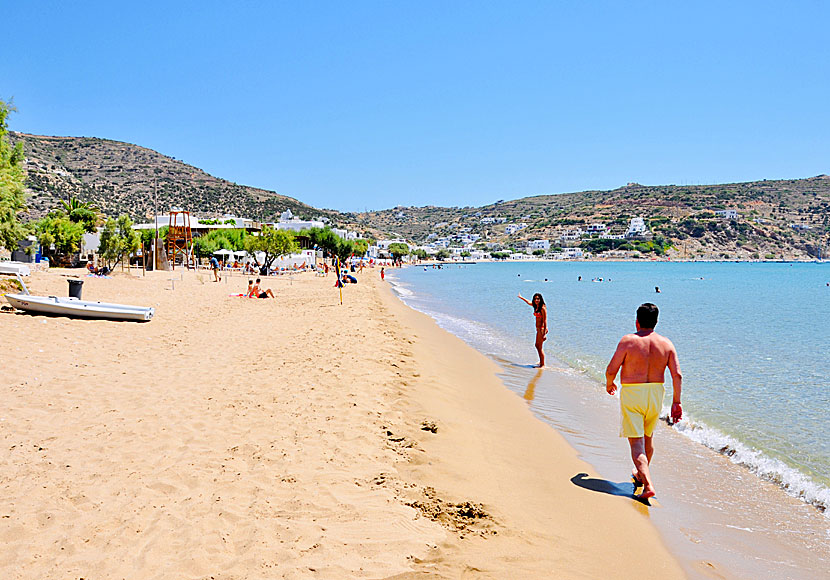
x=624, y=489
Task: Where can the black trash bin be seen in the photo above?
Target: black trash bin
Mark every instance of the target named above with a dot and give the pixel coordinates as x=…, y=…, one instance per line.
x=75, y=287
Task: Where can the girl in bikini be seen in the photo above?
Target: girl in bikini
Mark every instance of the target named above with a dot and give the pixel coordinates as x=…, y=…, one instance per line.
x=540, y=311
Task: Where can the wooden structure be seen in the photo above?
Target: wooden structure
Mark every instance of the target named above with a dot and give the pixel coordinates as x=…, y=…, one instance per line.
x=180, y=239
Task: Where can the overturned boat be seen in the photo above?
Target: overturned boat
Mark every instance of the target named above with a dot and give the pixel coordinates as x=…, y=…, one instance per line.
x=80, y=308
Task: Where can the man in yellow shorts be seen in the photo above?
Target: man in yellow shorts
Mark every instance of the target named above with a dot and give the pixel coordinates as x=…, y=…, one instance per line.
x=643, y=357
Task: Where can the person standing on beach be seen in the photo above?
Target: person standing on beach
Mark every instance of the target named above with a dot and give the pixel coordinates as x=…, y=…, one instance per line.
x=643, y=358
x=214, y=263
x=540, y=311
x=382, y=275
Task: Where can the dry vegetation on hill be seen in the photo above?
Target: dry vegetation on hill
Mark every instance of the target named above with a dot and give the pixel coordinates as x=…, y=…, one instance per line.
x=120, y=178
x=682, y=215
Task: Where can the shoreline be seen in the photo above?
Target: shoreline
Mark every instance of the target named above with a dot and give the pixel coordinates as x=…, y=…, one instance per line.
x=694, y=527
x=247, y=438
x=529, y=462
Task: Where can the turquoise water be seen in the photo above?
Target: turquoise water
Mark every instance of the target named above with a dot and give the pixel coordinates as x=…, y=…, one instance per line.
x=753, y=341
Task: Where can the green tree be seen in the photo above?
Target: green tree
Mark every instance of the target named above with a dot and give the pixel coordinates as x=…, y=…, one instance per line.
x=86, y=216
x=420, y=254
x=323, y=238
x=12, y=185
x=58, y=236
x=345, y=248
x=118, y=239
x=360, y=247
x=443, y=254
x=224, y=239
x=273, y=242
x=398, y=250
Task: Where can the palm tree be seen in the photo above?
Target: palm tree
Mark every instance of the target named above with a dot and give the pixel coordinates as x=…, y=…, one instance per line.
x=74, y=203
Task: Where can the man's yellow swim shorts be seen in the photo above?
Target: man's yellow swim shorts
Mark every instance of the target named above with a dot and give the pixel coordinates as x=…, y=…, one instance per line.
x=640, y=406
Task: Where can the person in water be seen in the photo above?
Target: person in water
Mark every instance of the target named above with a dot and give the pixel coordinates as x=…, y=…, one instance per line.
x=540, y=311
x=643, y=358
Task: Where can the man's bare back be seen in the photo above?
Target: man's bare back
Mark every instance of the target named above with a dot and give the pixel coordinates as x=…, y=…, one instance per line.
x=646, y=356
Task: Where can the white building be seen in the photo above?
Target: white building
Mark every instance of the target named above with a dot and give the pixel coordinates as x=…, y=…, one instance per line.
x=520, y=257
x=729, y=214
x=636, y=228
x=596, y=229
x=571, y=235
x=801, y=227
x=513, y=228
x=467, y=239
x=295, y=225
x=539, y=245
x=573, y=253
x=384, y=244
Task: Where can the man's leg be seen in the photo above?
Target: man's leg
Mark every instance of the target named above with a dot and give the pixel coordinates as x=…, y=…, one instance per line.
x=640, y=458
x=649, y=445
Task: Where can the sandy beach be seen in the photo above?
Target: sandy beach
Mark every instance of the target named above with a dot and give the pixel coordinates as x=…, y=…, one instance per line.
x=288, y=438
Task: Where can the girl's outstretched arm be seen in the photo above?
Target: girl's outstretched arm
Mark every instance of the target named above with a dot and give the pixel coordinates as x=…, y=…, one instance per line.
x=526, y=301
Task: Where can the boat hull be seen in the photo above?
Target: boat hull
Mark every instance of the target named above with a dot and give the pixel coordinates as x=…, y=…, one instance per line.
x=79, y=308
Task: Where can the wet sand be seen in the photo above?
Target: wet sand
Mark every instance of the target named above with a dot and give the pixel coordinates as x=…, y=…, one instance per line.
x=710, y=511
x=293, y=438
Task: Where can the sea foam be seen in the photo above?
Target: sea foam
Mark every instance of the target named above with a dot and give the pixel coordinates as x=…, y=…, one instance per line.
x=791, y=480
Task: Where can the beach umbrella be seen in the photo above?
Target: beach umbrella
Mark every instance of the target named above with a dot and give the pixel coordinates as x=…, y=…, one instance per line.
x=224, y=252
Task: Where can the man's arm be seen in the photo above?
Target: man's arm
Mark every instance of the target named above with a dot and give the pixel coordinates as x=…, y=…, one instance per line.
x=677, y=384
x=614, y=367
x=676, y=376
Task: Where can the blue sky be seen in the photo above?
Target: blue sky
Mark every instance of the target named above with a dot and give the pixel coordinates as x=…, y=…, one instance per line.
x=354, y=105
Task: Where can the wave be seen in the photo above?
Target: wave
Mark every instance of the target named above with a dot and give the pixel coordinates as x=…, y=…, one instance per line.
x=399, y=288
x=488, y=339
x=791, y=480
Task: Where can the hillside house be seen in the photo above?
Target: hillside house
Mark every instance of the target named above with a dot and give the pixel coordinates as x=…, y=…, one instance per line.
x=729, y=214
x=573, y=235
x=637, y=229
x=513, y=228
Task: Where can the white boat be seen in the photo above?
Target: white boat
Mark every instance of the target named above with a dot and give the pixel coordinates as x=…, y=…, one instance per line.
x=81, y=308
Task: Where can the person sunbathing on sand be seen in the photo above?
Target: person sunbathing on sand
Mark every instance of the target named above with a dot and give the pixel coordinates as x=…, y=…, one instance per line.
x=643, y=358
x=256, y=292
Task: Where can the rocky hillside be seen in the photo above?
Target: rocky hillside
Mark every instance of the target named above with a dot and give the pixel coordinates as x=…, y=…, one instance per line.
x=121, y=178
x=683, y=217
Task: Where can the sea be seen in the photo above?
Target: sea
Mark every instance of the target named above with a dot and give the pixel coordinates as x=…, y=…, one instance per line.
x=744, y=480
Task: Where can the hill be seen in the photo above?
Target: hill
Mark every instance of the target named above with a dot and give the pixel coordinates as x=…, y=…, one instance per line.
x=681, y=217
x=121, y=178
x=776, y=218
